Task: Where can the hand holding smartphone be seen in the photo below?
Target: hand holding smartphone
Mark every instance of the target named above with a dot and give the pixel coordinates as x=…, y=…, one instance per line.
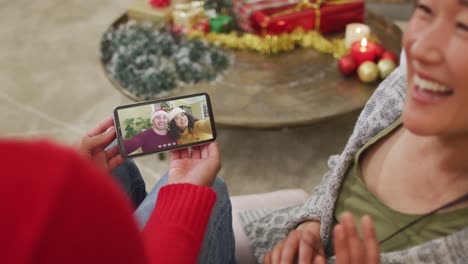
x=164, y=124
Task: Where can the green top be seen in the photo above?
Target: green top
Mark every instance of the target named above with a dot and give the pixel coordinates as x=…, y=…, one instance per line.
x=357, y=199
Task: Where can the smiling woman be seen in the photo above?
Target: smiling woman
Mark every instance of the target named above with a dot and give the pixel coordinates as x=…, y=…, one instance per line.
x=404, y=167
x=186, y=128
x=436, y=42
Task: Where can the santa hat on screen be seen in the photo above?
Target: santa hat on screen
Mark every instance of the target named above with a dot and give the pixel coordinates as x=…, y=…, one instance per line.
x=174, y=112
x=160, y=111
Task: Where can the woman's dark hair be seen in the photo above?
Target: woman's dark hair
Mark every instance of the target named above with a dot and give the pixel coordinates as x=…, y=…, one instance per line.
x=175, y=131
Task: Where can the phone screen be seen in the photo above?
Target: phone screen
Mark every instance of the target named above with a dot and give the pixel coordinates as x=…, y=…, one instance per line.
x=164, y=124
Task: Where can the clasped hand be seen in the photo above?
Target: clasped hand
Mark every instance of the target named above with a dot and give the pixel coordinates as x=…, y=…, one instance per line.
x=303, y=245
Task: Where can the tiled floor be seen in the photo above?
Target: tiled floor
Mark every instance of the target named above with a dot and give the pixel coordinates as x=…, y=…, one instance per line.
x=52, y=86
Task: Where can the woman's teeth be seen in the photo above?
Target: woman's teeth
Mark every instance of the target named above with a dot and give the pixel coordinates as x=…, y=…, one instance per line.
x=430, y=85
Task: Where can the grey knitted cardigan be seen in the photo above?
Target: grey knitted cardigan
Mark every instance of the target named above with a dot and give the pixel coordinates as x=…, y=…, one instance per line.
x=265, y=228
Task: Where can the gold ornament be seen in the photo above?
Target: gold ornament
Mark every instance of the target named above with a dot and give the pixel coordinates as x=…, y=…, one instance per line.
x=368, y=72
x=272, y=44
x=386, y=67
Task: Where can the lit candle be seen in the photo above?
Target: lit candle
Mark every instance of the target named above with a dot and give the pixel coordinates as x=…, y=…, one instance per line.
x=355, y=32
x=361, y=52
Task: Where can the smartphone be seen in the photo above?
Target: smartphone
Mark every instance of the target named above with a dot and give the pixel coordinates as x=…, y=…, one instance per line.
x=164, y=124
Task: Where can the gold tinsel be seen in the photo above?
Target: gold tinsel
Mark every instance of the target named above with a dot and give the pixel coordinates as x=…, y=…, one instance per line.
x=272, y=44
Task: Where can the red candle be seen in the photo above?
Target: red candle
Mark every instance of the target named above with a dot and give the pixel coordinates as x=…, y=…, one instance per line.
x=361, y=52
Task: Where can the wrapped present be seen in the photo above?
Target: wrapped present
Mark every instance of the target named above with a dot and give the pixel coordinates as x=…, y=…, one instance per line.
x=243, y=9
x=221, y=24
x=326, y=16
x=202, y=25
x=159, y=3
x=142, y=10
x=187, y=15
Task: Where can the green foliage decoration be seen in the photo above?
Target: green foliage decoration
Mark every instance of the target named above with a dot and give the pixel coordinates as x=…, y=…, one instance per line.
x=165, y=106
x=134, y=126
x=222, y=7
x=148, y=59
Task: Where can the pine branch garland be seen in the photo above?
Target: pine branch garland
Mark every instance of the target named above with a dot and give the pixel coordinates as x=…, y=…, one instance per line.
x=147, y=59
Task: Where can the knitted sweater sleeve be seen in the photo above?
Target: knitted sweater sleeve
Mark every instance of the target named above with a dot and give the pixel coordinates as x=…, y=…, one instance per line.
x=174, y=233
x=268, y=230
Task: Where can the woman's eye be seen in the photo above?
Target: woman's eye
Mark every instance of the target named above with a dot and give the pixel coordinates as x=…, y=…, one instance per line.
x=424, y=8
x=462, y=26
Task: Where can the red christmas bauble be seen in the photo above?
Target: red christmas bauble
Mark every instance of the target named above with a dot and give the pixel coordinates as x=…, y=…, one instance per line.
x=378, y=49
x=389, y=56
x=347, y=65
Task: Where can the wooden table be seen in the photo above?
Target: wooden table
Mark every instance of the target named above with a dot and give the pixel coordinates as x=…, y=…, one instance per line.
x=290, y=89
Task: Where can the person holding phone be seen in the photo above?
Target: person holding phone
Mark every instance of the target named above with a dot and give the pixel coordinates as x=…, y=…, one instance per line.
x=152, y=139
x=73, y=213
x=404, y=166
x=186, y=128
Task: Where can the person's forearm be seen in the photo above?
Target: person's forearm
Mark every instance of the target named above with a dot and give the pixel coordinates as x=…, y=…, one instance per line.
x=174, y=233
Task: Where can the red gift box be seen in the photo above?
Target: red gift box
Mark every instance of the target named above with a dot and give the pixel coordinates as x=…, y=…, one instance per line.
x=243, y=9
x=203, y=26
x=326, y=16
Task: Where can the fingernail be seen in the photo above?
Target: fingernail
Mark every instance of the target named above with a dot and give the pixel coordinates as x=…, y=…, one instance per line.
x=110, y=129
x=338, y=230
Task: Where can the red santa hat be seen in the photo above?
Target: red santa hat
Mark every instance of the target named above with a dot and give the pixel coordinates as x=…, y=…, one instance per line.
x=160, y=111
x=174, y=112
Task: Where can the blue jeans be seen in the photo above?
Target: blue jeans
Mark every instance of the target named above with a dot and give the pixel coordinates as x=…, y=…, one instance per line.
x=129, y=177
x=218, y=243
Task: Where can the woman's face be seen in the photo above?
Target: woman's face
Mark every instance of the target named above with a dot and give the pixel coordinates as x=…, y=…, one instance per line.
x=181, y=121
x=436, y=45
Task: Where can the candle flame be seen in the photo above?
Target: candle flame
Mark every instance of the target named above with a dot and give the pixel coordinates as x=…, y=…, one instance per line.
x=364, y=42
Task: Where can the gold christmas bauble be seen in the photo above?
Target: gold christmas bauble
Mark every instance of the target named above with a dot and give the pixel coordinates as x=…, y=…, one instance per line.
x=368, y=72
x=386, y=67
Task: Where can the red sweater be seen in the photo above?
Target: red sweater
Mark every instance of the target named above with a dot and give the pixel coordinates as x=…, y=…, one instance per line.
x=58, y=208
